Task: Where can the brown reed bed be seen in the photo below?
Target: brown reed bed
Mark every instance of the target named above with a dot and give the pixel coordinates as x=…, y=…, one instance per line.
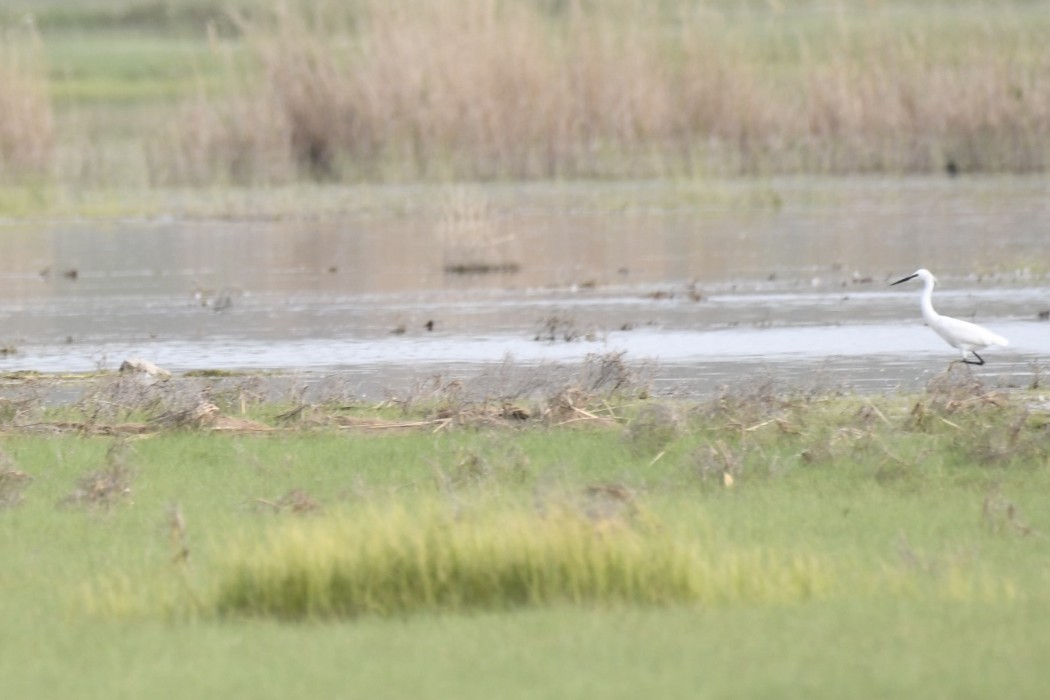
x=486, y=89
x=506, y=89
x=26, y=115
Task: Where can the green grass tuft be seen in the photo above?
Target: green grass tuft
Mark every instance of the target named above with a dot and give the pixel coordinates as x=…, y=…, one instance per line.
x=392, y=561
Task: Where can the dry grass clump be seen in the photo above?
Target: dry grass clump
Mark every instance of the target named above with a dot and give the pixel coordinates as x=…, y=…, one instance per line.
x=717, y=461
x=160, y=405
x=1000, y=515
x=206, y=142
x=516, y=396
x=396, y=561
x=107, y=486
x=114, y=404
x=13, y=482
x=958, y=389
x=559, y=327
x=610, y=375
x=164, y=404
x=595, y=392
x=978, y=426
x=197, y=414
x=612, y=505
x=600, y=377
x=1006, y=437
x=376, y=89
x=991, y=425
x=26, y=119
x=652, y=428
x=750, y=405
x=437, y=398
x=124, y=394
x=494, y=461
x=240, y=395
x=26, y=406
x=296, y=502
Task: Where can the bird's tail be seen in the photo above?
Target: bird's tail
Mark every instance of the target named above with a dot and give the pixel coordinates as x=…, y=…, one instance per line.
x=999, y=340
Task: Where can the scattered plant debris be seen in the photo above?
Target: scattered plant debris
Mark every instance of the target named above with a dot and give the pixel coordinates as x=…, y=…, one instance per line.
x=26, y=406
x=717, y=461
x=558, y=328
x=13, y=482
x=1001, y=515
x=492, y=461
x=655, y=426
x=177, y=535
x=608, y=374
x=296, y=502
x=609, y=504
x=105, y=487
x=200, y=414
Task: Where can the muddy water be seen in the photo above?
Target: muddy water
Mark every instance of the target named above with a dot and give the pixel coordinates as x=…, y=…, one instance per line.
x=703, y=285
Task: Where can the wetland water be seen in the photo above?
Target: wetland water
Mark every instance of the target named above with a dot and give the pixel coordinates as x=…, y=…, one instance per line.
x=705, y=284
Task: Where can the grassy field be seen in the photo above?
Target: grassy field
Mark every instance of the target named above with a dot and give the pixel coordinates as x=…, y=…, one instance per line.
x=583, y=540
x=139, y=96
x=190, y=539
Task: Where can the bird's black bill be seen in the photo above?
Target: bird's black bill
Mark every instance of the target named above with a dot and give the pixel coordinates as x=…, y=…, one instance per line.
x=909, y=277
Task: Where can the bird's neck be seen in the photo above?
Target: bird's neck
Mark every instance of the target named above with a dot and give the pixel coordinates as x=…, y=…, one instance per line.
x=928, y=311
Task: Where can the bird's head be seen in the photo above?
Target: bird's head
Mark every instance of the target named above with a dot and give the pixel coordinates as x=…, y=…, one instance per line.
x=922, y=273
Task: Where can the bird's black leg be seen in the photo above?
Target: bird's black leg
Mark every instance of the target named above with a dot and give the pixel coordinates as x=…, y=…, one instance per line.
x=980, y=360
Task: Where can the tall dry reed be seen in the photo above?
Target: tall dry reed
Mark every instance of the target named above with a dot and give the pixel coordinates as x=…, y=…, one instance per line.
x=206, y=142
x=26, y=117
x=514, y=89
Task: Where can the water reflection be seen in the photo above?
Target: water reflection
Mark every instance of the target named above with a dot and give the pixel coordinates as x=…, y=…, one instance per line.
x=753, y=267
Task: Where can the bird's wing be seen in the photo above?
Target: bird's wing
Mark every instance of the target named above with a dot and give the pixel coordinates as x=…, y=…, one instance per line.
x=965, y=335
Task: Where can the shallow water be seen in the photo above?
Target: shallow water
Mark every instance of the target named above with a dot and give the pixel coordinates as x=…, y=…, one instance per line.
x=786, y=277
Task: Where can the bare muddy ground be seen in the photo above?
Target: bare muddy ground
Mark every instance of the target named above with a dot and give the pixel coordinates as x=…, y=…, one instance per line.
x=785, y=278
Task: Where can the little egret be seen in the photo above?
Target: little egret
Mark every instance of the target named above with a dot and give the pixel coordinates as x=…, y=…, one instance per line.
x=967, y=337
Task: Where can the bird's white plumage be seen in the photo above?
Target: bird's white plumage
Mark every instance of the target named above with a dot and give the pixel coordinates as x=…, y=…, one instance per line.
x=963, y=334
x=967, y=337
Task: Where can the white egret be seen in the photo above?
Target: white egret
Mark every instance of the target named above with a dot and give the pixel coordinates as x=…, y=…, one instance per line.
x=967, y=337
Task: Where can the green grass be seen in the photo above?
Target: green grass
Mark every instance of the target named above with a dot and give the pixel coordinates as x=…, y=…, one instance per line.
x=826, y=651
x=170, y=17
x=118, y=69
x=868, y=546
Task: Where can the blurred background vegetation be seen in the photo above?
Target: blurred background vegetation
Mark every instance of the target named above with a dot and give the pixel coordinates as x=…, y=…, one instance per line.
x=146, y=94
